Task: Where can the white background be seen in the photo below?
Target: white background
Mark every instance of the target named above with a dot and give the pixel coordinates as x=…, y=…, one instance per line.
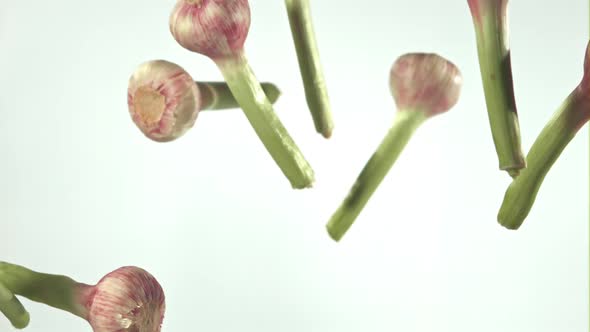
x=211, y=216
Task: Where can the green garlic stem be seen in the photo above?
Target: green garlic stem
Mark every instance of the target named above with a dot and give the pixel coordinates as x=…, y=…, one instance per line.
x=259, y=111
x=11, y=307
x=57, y=291
x=496, y=74
x=555, y=136
x=405, y=124
x=217, y=95
x=316, y=92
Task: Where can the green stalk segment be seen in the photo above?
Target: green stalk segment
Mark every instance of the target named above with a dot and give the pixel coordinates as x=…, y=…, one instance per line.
x=405, y=124
x=217, y=95
x=259, y=111
x=11, y=307
x=496, y=74
x=555, y=136
x=53, y=290
x=316, y=92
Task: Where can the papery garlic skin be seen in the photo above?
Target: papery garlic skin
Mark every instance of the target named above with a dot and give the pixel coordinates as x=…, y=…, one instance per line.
x=128, y=299
x=481, y=8
x=426, y=82
x=163, y=100
x=215, y=28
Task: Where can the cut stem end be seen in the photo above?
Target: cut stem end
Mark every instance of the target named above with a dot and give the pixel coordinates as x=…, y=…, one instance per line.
x=267, y=125
x=375, y=170
x=316, y=92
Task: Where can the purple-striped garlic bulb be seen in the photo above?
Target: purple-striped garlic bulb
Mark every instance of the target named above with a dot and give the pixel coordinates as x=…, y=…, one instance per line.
x=214, y=28
x=425, y=82
x=128, y=299
x=163, y=100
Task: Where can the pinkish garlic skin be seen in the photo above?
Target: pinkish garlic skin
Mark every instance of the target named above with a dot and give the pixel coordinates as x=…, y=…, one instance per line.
x=163, y=100
x=586, y=79
x=215, y=28
x=582, y=116
x=481, y=8
x=128, y=299
x=425, y=82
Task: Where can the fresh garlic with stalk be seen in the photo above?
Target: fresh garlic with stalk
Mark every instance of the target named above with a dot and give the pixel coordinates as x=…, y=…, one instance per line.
x=572, y=115
x=128, y=299
x=218, y=30
x=423, y=85
x=164, y=100
x=491, y=32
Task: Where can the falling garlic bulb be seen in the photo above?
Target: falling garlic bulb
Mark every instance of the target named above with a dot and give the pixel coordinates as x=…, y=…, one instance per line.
x=422, y=85
x=128, y=299
x=214, y=28
x=163, y=100
x=218, y=30
x=425, y=82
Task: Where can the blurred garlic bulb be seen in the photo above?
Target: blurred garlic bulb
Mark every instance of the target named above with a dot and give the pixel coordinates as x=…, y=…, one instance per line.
x=425, y=82
x=422, y=85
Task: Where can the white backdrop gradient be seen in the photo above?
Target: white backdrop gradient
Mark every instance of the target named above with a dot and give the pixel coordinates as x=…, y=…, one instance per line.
x=82, y=192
